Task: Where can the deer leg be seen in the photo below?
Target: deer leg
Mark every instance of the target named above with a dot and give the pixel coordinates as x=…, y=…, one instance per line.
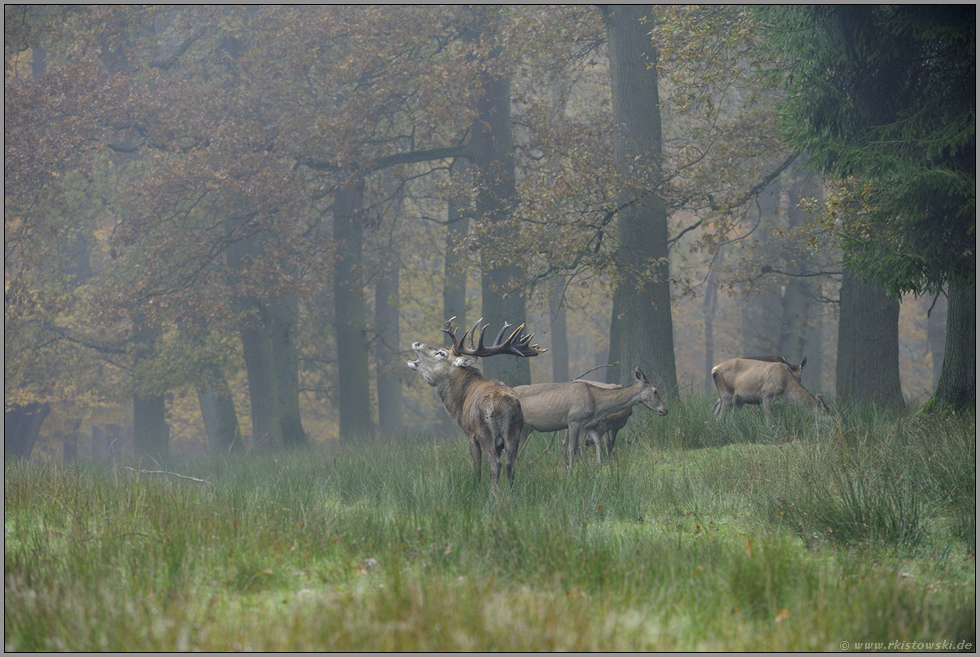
x=610, y=439
x=573, y=445
x=494, y=462
x=476, y=455
x=512, y=447
x=597, y=439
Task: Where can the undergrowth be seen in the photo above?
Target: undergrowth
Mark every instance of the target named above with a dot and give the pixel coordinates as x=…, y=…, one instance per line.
x=746, y=534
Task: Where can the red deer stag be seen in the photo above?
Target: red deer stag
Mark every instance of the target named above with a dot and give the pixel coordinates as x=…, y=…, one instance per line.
x=487, y=411
x=580, y=407
x=750, y=381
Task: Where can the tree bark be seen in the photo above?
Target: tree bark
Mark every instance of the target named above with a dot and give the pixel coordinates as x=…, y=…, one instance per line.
x=218, y=411
x=956, y=390
x=454, y=287
x=615, y=341
x=493, y=171
x=936, y=336
x=388, y=364
x=867, y=344
x=350, y=323
x=283, y=317
x=21, y=426
x=559, y=334
x=267, y=332
x=643, y=290
x=151, y=435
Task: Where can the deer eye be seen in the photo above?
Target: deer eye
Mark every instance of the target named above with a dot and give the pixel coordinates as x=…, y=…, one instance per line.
x=441, y=354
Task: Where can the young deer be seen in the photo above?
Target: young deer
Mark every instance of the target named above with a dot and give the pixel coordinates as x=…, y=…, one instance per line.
x=487, y=410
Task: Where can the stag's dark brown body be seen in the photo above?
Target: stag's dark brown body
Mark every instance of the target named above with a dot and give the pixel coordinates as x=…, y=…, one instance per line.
x=487, y=410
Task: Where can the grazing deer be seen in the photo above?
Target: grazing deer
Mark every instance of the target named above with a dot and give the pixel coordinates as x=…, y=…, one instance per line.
x=580, y=407
x=751, y=381
x=797, y=371
x=487, y=411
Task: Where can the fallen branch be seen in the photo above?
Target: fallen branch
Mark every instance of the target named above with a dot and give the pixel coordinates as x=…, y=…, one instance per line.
x=164, y=472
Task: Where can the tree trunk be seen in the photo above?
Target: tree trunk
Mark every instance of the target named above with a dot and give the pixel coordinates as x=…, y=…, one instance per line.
x=493, y=170
x=283, y=316
x=936, y=336
x=710, y=306
x=615, y=340
x=457, y=226
x=867, y=345
x=956, y=390
x=21, y=426
x=795, y=319
x=218, y=411
x=271, y=359
x=454, y=284
x=388, y=364
x=644, y=287
x=350, y=323
x=151, y=435
x=559, y=334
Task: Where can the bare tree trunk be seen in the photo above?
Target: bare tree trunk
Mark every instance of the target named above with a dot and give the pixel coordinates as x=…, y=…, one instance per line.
x=493, y=170
x=795, y=318
x=647, y=326
x=867, y=344
x=388, y=364
x=615, y=341
x=457, y=226
x=710, y=306
x=284, y=315
x=559, y=334
x=151, y=435
x=956, y=390
x=350, y=324
x=218, y=411
x=21, y=426
x=936, y=336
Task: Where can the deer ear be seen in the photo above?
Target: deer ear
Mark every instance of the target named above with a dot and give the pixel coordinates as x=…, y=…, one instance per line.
x=464, y=361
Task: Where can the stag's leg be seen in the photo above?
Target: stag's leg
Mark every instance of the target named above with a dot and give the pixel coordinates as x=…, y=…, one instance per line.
x=512, y=446
x=493, y=461
x=476, y=455
x=574, y=445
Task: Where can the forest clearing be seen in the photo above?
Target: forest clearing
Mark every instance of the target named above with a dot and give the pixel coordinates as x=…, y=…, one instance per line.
x=695, y=535
x=239, y=241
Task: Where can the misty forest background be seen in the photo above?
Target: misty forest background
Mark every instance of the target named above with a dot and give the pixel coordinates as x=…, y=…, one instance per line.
x=224, y=226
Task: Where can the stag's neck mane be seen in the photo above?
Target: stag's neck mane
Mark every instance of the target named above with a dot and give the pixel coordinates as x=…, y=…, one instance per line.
x=452, y=389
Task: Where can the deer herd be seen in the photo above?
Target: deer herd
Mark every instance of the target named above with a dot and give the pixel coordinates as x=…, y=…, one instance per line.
x=497, y=418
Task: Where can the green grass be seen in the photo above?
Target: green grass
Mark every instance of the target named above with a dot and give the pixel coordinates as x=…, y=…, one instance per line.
x=696, y=535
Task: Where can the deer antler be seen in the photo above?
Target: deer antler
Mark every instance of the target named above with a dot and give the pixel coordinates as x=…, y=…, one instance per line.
x=517, y=344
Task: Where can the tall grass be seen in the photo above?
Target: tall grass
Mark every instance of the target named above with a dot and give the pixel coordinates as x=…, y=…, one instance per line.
x=784, y=535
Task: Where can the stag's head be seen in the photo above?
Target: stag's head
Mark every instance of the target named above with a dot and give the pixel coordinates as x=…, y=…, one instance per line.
x=435, y=364
x=650, y=397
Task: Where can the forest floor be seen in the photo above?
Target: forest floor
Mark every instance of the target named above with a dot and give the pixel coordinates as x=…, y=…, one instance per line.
x=854, y=532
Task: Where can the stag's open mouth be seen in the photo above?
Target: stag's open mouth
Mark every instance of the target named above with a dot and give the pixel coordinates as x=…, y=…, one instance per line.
x=414, y=363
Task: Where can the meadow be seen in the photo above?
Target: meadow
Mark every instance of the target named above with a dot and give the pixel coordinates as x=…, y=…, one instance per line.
x=855, y=532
